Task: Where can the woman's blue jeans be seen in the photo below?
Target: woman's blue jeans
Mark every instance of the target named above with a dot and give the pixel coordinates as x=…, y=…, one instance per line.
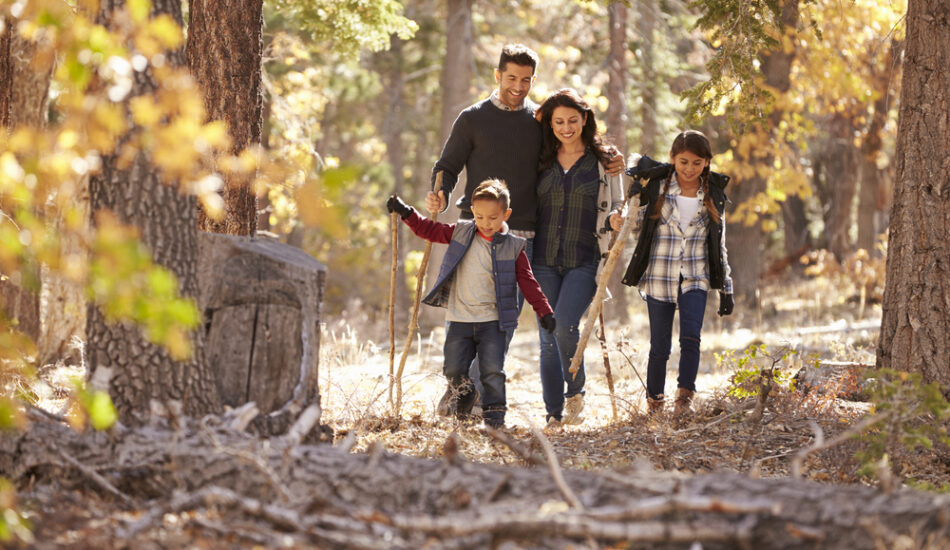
x=569, y=291
x=692, y=306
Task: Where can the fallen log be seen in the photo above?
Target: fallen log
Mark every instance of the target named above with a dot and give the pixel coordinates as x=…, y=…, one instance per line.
x=323, y=496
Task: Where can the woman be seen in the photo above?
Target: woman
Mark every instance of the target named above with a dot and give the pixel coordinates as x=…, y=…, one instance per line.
x=575, y=202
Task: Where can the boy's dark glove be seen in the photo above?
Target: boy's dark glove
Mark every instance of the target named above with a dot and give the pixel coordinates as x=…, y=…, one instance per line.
x=395, y=204
x=548, y=323
x=725, y=304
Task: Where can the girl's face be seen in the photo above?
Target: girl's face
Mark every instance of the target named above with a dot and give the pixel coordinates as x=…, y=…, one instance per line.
x=567, y=124
x=688, y=167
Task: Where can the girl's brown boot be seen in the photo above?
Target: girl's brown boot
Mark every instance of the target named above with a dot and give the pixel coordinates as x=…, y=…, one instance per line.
x=684, y=397
x=655, y=406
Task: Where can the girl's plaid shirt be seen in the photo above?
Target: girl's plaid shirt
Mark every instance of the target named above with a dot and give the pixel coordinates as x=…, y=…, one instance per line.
x=676, y=252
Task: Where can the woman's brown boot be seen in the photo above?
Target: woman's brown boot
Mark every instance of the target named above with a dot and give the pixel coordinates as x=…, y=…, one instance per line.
x=684, y=397
x=655, y=406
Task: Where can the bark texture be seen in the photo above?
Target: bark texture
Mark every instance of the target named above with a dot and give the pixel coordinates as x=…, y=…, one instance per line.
x=137, y=371
x=746, y=242
x=649, y=128
x=24, y=83
x=618, y=307
x=394, y=123
x=224, y=55
x=456, y=79
x=322, y=495
x=915, y=328
x=874, y=179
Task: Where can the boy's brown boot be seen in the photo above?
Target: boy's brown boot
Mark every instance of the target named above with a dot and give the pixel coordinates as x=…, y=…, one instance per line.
x=655, y=406
x=684, y=397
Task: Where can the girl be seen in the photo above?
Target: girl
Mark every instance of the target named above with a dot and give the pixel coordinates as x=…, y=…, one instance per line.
x=680, y=255
x=575, y=201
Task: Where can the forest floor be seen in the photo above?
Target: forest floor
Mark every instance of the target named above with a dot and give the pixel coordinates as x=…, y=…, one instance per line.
x=808, y=317
x=817, y=321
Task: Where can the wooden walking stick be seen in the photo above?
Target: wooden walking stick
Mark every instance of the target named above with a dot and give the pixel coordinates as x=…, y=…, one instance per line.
x=392, y=304
x=610, y=376
x=420, y=279
x=597, y=304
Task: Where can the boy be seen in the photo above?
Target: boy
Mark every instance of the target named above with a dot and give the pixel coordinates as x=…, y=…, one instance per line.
x=478, y=282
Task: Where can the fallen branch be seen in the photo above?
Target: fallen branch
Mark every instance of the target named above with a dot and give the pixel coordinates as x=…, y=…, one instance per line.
x=555, y=468
x=95, y=477
x=525, y=454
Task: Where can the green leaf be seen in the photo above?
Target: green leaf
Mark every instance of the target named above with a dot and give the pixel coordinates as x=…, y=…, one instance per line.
x=102, y=413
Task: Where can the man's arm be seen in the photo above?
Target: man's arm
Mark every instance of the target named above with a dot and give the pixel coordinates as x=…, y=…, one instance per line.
x=530, y=287
x=455, y=154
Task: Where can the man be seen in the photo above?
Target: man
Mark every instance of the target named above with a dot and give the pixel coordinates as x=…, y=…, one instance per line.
x=499, y=138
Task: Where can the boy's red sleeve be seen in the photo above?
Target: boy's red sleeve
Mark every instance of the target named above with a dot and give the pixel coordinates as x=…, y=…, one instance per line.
x=530, y=287
x=429, y=230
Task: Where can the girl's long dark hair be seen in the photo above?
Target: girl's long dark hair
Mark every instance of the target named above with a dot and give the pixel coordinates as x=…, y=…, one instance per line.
x=567, y=97
x=698, y=144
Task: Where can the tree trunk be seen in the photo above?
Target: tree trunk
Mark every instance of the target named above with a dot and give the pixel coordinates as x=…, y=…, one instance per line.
x=618, y=307
x=323, y=496
x=915, y=329
x=138, y=371
x=871, y=176
x=394, y=123
x=841, y=171
x=24, y=83
x=649, y=128
x=457, y=73
x=224, y=55
x=746, y=242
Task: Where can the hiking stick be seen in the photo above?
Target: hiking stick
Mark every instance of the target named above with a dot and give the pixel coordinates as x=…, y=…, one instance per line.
x=597, y=304
x=610, y=376
x=420, y=279
x=392, y=303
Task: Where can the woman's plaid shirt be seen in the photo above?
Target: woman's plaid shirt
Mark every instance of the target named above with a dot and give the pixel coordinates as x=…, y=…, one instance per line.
x=676, y=252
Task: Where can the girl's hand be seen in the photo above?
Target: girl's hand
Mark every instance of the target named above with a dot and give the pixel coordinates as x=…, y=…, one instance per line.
x=616, y=222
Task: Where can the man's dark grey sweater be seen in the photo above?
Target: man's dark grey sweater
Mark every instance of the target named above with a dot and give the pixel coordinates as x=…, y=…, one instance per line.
x=493, y=143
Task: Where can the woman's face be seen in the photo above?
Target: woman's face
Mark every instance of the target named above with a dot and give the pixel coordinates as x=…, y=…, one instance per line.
x=567, y=124
x=688, y=167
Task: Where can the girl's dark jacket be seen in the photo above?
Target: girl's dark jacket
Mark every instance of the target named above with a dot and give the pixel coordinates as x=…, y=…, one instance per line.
x=655, y=173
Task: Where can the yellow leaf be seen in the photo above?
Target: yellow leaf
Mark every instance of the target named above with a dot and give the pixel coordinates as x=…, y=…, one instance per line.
x=144, y=111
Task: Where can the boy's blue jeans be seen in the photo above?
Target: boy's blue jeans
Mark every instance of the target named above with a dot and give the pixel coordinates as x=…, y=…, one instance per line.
x=464, y=342
x=692, y=306
x=473, y=372
x=569, y=291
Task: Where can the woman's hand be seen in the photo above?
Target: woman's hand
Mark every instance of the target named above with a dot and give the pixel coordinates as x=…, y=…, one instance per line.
x=616, y=221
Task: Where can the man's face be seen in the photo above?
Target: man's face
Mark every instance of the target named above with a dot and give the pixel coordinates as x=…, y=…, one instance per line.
x=489, y=216
x=514, y=83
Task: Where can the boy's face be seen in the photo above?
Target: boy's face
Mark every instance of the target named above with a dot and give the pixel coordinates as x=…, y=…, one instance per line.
x=489, y=216
x=514, y=83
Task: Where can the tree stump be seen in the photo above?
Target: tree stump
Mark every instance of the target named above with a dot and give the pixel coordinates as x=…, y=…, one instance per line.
x=261, y=301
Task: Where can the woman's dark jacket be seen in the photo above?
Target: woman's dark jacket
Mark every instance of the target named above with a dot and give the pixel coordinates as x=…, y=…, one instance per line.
x=655, y=173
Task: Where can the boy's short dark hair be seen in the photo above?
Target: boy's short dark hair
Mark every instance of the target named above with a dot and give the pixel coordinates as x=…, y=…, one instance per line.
x=492, y=190
x=519, y=54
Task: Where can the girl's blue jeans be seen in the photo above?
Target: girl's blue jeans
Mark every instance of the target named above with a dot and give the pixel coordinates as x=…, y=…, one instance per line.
x=692, y=306
x=569, y=291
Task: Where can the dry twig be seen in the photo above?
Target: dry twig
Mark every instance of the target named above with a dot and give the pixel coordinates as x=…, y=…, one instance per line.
x=555, y=468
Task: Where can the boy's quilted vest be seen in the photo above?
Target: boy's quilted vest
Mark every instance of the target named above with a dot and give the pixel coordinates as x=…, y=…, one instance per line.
x=505, y=249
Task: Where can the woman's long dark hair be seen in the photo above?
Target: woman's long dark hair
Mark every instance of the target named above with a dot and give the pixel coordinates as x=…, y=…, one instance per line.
x=567, y=97
x=698, y=144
